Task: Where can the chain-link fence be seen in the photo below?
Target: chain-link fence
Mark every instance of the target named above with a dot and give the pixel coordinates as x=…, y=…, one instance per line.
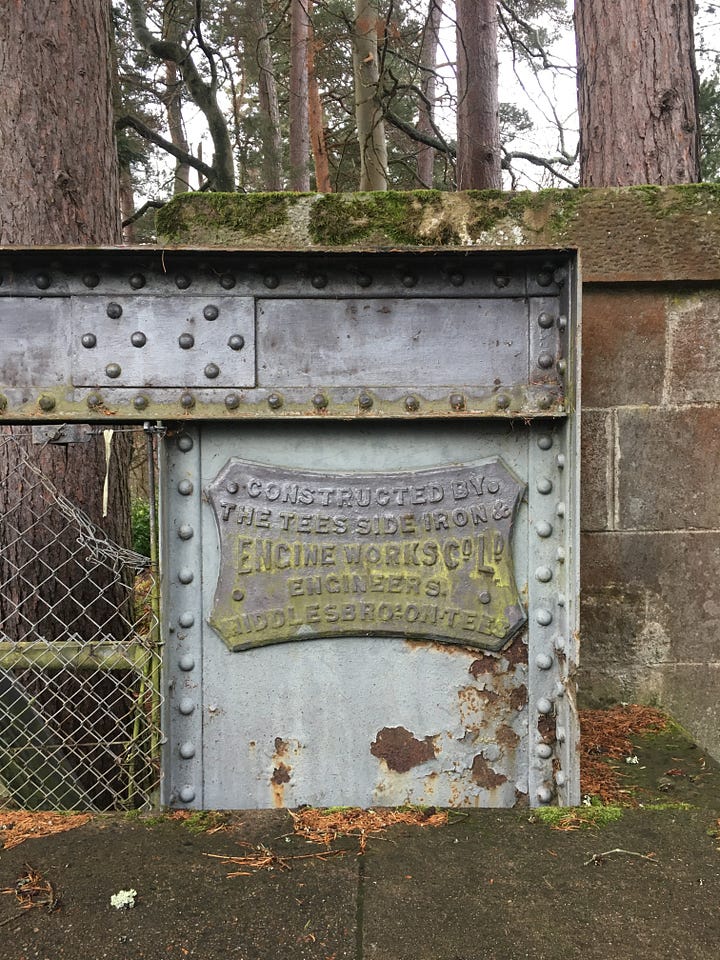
x=79, y=650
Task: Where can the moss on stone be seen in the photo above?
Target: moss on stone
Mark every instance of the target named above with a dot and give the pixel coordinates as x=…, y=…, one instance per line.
x=225, y=215
x=391, y=217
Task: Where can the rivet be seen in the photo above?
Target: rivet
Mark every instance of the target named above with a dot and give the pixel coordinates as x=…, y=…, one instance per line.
x=187, y=794
x=138, y=339
x=89, y=340
x=411, y=403
x=212, y=370
x=186, y=532
x=560, y=778
x=186, y=662
x=114, y=311
x=186, y=706
x=364, y=280
x=409, y=280
x=91, y=280
x=543, y=529
x=187, y=401
x=544, y=750
x=140, y=402
x=559, y=643
x=502, y=402
x=42, y=281
x=182, y=281
x=544, y=403
x=562, y=366
x=187, y=751
x=543, y=661
x=543, y=574
x=94, y=400
x=561, y=599
x=501, y=279
x=544, y=705
x=271, y=281
x=545, y=361
x=275, y=401
x=545, y=442
x=560, y=554
x=320, y=401
x=238, y=595
x=186, y=620
x=544, y=617
x=493, y=486
x=546, y=320
x=545, y=277
x=562, y=322
x=544, y=794
x=457, y=401
x=232, y=487
x=227, y=281
x=561, y=734
x=185, y=575
x=561, y=461
x=560, y=509
x=137, y=281
x=365, y=401
x=232, y=401
x=211, y=312
x=186, y=341
x=457, y=279
x=185, y=442
x=544, y=485
x=46, y=403
x=185, y=488
x=484, y=597
x=236, y=342
x=113, y=370
x=319, y=281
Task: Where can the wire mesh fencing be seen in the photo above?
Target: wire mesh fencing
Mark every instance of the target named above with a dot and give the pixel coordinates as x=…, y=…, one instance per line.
x=80, y=692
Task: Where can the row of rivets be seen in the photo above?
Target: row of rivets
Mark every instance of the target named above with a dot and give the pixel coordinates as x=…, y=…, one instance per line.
x=186, y=621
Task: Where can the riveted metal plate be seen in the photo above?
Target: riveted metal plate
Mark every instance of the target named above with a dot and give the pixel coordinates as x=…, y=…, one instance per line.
x=423, y=554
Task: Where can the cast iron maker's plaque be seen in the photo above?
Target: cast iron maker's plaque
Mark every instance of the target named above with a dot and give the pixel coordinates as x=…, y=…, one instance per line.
x=423, y=554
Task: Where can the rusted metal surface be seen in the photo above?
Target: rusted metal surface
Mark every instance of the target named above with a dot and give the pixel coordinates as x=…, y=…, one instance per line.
x=424, y=554
x=400, y=750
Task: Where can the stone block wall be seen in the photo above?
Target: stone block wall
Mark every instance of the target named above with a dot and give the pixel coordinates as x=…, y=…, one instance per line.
x=650, y=256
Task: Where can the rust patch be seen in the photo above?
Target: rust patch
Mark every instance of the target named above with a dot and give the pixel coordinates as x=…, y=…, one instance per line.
x=506, y=737
x=546, y=729
x=281, y=747
x=400, y=750
x=516, y=652
x=521, y=799
x=281, y=774
x=484, y=775
x=483, y=665
x=518, y=697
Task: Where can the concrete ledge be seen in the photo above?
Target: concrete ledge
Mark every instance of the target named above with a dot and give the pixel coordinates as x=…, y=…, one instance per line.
x=624, y=234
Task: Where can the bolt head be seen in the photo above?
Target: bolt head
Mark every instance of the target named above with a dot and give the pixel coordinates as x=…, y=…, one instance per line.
x=232, y=401
x=409, y=280
x=211, y=312
x=89, y=340
x=227, y=281
x=545, y=277
x=137, y=281
x=182, y=281
x=365, y=401
x=501, y=279
x=46, y=403
x=320, y=401
x=186, y=341
x=42, y=281
x=138, y=339
x=94, y=400
x=319, y=281
x=236, y=342
x=140, y=402
x=271, y=281
x=364, y=280
x=545, y=361
x=275, y=401
x=187, y=400
x=502, y=402
x=457, y=401
x=457, y=279
x=212, y=371
x=91, y=280
x=238, y=595
x=113, y=370
x=114, y=311
x=484, y=597
x=546, y=320
x=412, y=404
x=185, y=442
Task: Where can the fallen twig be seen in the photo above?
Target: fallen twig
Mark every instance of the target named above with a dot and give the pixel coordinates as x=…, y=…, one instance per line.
x=599, y=857
x=33, y=890
x=265, y=859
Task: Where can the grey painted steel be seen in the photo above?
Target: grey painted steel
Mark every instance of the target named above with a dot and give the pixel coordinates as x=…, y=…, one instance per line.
x=151, y=334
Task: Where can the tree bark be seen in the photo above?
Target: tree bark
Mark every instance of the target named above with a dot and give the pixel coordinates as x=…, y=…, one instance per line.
x=368, y=103
x=173, y=106
x=59, y=170
x=315, y=112
x=270, y=131
x=428, y=57
x=478, y=127
x=299, y=115
x=637, y=92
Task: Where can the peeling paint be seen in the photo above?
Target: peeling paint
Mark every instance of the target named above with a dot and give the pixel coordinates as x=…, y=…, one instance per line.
x=506, y=737
x=484, y=775
x=518, y=697
x=483, y=665
x=401, y=750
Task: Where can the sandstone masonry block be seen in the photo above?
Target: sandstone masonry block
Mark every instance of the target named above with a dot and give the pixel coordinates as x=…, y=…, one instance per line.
x=596, y=474
x=694, y=347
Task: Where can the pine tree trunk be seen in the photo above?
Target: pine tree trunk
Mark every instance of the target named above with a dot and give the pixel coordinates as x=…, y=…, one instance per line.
x=478, y=126
x=173, y=107
x=368, y=106
x=58, y=167
x=315, y=112
x=637, y=92
x=299, y=116
x=270, y=131
x=428, y=56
